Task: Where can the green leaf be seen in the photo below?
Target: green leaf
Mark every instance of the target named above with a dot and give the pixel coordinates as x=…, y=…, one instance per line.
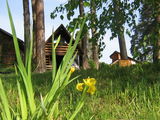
x=4, y=102
x=54, y=112
x=62, y=17
x=54, y=65
x=77, y=110
x=22, y=70
x=23, y=104
x=62, y=69
x=86, y=4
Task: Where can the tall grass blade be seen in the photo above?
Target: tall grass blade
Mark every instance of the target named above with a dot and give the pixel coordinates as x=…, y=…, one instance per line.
x=23, y=104
x=54, y=111
x=29, y=62
x=62, y=71
x=54, y=65
x=78, y=108
x=17, y=50
x=26, y=77
x=71, y=41
x=4, y=102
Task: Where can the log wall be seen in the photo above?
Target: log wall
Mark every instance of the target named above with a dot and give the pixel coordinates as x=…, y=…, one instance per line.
x=7, y=50
x=60, y=51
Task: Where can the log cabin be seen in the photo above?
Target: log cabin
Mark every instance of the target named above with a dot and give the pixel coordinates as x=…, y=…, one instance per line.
x=7, y=51
x=116, y=59
x=61, y=48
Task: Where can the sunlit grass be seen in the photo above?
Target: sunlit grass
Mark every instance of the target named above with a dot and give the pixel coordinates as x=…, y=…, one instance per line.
x=26, y=104
x=122, y=93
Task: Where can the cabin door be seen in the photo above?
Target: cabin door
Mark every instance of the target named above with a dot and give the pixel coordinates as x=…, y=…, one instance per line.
x=59, y=59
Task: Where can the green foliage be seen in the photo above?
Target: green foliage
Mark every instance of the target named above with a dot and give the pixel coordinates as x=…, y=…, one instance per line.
x=71, y=8
x=116, y=14
x=4, y=106
x=48, y=105
x=144, y=39
x=122, y=92
x=6, y=69
x=92, y=65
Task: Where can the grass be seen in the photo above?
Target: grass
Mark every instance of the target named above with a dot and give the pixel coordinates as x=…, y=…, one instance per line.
x=122, y=93
x=28, y=102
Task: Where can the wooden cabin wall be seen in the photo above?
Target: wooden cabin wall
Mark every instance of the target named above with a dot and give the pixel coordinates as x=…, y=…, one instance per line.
x=61, y=48
x=7, y=52
x=60, y=53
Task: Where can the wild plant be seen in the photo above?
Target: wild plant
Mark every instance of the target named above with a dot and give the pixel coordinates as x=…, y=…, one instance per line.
x=48, y=109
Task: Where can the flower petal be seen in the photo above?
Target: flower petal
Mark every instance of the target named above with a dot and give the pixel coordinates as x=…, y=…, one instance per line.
x=91, y=90
x=79, y=86
x=89, y=81
x=72, y=69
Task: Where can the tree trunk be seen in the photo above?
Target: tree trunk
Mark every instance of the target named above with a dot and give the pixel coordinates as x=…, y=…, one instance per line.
x=122, y=45
x=121, y=38
x=158, y=43
x=156, y=58
x=34, y=27
x=40, y=37
x=95, y=47
x=84, y=39
x=26, y=17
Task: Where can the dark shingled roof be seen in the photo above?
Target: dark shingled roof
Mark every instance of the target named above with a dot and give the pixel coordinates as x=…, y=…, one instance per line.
x=61, y=30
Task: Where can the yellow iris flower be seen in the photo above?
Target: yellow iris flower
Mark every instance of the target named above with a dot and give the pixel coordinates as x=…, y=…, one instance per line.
x=72, y=69
x=91, y=90
x=79, y=86
x=89, y=81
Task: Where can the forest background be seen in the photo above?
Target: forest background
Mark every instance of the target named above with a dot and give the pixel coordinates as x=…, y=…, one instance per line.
x=49, y=6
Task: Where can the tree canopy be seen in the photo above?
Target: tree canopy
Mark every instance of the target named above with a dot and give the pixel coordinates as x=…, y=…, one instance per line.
x=120, y=18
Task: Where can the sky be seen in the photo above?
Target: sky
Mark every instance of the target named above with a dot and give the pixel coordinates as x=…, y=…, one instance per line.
x=16, y=7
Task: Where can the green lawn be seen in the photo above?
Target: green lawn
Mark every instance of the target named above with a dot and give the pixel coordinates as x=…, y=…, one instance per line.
x=128, y=93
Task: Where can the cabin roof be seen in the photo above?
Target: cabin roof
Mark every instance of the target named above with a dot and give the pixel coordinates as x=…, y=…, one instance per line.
x=21, y=43
x=61, y=30
x=116, y=52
